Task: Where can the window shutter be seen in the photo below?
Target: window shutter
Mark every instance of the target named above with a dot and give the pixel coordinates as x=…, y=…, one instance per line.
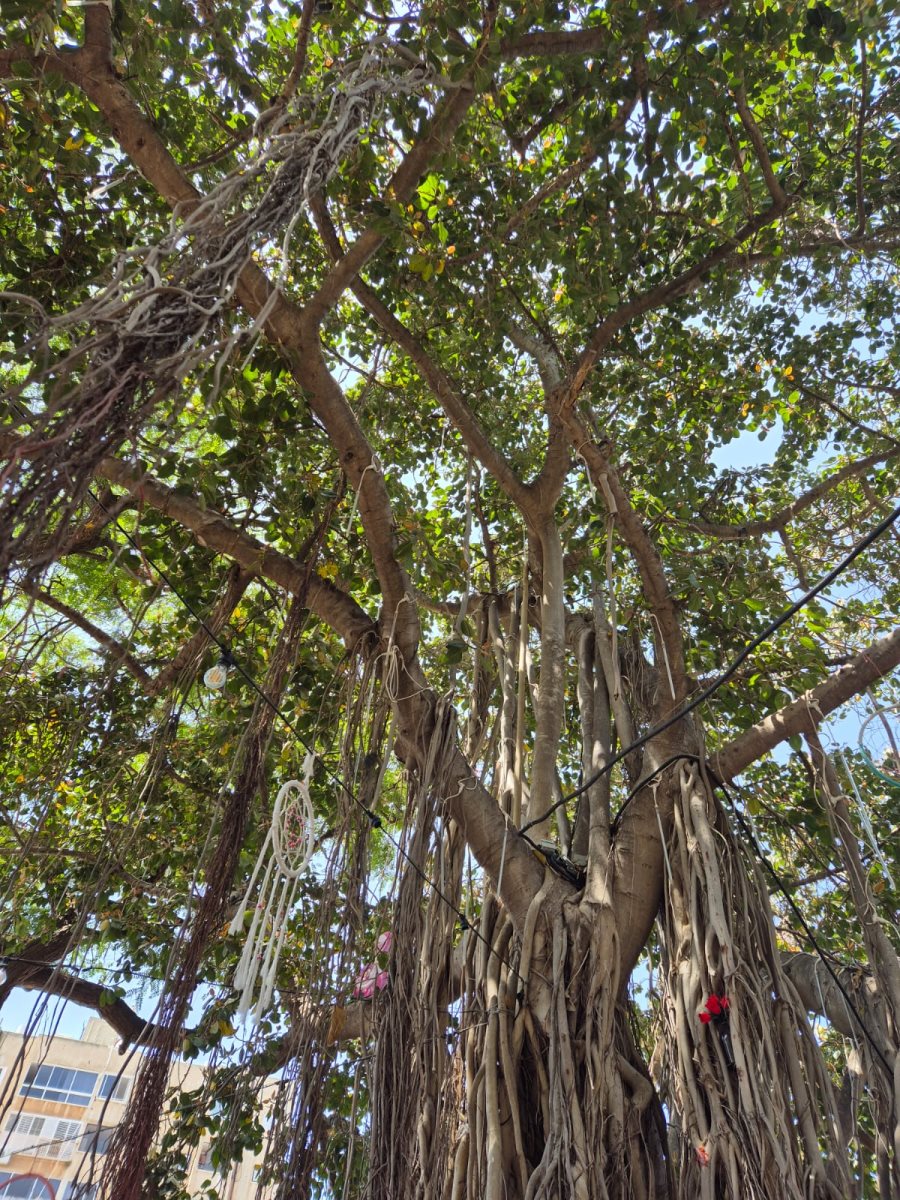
x=65, y=1138
x=25, y=1123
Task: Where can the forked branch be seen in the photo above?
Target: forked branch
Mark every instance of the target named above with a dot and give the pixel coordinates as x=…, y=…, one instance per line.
x=114, y=648
x=805, y=714
x=740, y=531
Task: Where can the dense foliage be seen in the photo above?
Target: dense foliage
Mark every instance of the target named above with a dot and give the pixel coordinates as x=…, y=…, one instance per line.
x=481, y=295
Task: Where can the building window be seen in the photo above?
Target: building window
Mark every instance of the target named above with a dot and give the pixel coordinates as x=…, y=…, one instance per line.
x=26, y=1189
x=46, y=1137
x=80, y=1191
x=96, y=1139
x=114, y=1087
x=65, y=1139
x=25, y=1123
x=205, y=1162
x=62, y=1084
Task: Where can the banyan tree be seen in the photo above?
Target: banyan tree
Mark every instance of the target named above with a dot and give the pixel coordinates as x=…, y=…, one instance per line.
x=425, y=701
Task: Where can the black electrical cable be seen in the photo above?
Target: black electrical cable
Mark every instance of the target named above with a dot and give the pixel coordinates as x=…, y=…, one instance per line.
x=785, y=891
x=373, y=818
x=708, y=691
x=642, y=783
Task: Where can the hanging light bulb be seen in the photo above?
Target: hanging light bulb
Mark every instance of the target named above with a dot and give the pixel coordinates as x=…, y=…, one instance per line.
x=3, y=976
x=217, y=676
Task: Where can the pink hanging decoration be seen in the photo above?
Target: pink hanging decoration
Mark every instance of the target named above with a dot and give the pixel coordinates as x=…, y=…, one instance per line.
x=370, y=980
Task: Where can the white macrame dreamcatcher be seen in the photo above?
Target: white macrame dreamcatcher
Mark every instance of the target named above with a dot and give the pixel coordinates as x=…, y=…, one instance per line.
x=286, y=852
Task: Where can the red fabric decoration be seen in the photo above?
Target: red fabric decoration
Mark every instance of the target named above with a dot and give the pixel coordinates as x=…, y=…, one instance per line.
x=716, y=1009
x=716, y=1013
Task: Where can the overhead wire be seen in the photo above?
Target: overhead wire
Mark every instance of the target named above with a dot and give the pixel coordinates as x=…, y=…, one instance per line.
x=749, y=834
x=773, y=626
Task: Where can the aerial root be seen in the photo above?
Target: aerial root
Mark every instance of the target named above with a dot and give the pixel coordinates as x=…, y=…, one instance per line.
x=736, y=1138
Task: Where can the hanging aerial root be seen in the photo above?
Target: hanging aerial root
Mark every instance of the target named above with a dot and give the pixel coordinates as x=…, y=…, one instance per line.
x=733, y=1023
x=300, y=1122
x=164, y=313
x=125, y=1165
x=414, y=1087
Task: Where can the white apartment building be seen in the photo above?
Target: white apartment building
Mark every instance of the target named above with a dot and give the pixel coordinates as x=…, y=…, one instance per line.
x=61, y=1100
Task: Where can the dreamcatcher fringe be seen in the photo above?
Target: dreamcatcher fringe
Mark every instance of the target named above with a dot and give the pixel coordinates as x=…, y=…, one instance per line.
x=284, y=864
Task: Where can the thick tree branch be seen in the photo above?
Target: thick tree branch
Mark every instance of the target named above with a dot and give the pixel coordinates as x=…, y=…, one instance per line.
x=447, y=118
x=32, y=954
x=453, y=404
x=551, y=700
x=216, y=532
x=804, y=714
x=545, y=488
x=296, y=339
x=298, y=67
x=358, y=462
x=596, y=40
x=819, y=993
x=545, y=356
x=658, y=297
x=353, y=1021
x=458, y=411
x=776, y=191
x=120, y=1016
x=667, y=633
x=884, y=240
x=348, y=1022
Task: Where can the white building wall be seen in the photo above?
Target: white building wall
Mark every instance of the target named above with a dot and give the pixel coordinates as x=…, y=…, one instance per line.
x=45, y=1125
